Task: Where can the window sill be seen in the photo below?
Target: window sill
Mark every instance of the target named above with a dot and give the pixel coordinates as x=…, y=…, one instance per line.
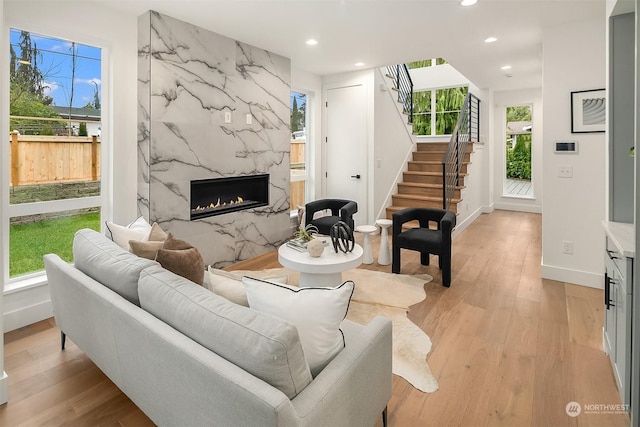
x=515, y=196
x=27, y=282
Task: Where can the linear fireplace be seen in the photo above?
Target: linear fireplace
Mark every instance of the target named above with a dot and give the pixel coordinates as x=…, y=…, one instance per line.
x=217, y=196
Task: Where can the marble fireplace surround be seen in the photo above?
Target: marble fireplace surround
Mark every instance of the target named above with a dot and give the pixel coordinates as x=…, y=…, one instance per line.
x=188, y=78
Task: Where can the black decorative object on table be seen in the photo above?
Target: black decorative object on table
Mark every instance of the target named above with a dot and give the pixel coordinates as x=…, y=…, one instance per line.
x=342, y=237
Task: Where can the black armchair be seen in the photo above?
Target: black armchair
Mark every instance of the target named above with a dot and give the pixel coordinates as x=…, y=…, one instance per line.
x=424, y=239
x=341, y=210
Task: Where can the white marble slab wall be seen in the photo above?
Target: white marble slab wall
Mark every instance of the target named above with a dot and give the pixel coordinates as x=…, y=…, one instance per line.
x=188, y=78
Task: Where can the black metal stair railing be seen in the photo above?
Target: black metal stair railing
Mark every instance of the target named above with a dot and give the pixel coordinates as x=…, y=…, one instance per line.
x=467, y=130
x=403, y=84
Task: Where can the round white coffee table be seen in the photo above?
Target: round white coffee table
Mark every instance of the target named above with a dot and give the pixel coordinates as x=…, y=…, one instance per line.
x=324, y=271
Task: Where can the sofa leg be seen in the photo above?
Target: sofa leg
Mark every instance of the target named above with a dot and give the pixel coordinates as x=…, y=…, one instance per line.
x=63, y=338
x=384, y=417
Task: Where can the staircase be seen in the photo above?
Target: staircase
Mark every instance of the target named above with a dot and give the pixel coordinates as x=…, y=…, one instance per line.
x=421, y=184
x=435, y=174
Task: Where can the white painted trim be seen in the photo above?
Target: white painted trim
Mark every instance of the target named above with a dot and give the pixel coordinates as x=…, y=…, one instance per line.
x=467, y=222
x=518, y=207
x=4, y=388
x=27, y=315
x=576, y=277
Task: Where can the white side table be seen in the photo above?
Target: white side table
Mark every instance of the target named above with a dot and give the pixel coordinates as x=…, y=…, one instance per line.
x=367, y=256
x=383, y=255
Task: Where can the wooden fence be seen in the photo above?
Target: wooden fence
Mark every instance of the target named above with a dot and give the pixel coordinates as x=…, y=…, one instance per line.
x=37, y=159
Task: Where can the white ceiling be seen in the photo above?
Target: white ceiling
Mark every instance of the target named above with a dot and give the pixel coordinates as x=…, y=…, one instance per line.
x=383, y=32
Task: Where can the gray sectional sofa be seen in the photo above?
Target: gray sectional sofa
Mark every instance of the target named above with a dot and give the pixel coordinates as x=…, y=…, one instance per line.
x=188, y=357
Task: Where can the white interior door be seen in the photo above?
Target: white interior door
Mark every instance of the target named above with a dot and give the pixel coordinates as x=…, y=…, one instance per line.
x=346, y=153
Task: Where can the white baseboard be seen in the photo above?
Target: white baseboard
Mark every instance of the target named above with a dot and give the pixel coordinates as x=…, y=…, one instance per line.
x=576, y=277
x=27, y=315
x=4, y=388
x=518, y=207
x=461, y=226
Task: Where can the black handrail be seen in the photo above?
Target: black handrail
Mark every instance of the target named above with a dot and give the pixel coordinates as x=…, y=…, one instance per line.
x=467, y=130
x=404, y=85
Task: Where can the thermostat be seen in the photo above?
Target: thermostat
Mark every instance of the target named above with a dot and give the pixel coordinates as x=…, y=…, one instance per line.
x=566, y=147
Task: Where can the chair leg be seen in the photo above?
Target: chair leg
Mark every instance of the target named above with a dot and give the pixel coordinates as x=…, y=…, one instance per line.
x=446, y=270
x=395, y=260
x=63, y=338
x=384, y=417
x=424, y=258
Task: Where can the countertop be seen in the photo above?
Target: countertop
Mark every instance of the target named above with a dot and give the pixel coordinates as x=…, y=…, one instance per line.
x=622, y=235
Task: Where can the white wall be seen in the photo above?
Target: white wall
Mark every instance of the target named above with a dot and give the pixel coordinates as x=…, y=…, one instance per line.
x=502, y=100
x=392, y=146
x=4, y=130
x=573, y=210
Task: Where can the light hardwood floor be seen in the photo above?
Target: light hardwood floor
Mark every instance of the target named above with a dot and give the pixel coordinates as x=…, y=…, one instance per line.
x=509, y=348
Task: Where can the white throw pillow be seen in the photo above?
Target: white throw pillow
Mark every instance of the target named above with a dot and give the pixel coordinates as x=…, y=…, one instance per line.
x=229, y=284
x=316, y=313
x=138, y=230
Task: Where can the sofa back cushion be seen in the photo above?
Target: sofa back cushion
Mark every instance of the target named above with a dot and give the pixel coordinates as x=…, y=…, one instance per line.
x=106, y=262
x=263, y=345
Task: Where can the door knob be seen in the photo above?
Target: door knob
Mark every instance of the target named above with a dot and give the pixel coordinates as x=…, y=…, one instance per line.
x=356, y=176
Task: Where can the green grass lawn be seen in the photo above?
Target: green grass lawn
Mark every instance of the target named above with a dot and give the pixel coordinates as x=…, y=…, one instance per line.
x=28, y=243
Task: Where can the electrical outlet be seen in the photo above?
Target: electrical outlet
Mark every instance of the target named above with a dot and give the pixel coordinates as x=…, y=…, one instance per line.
x=565, y=171
x=249, y=118
x=379, y=163
x=567, y=247
x=227, y=116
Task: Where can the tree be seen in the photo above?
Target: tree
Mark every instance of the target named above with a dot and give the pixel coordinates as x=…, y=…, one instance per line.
x=28, y=105
x=25, y=72
x=96, y=98
x=82, y=130
x=521, y=113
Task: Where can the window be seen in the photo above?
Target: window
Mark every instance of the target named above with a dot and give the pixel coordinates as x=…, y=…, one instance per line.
x=446, y=103
x=55, y=147
x=299, y=136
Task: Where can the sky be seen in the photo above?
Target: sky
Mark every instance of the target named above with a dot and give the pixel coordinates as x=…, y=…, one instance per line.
x=55, y=65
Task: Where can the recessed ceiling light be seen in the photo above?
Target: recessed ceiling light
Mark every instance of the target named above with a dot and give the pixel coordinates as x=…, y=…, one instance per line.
x=359, y=64
x=505, y=67
x=490, y=39
x=312, y=42
x=468, y=2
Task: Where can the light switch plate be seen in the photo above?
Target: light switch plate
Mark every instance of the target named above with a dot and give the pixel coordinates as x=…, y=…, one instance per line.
x=249, y=118
x=227, y=116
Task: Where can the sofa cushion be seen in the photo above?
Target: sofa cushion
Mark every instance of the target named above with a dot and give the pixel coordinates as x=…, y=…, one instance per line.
x=106, y=262
x=182, y=259
x=261, y=344
x=316, y=312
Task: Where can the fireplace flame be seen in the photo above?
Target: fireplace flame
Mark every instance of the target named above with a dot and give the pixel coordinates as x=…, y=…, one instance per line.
x=219, y=203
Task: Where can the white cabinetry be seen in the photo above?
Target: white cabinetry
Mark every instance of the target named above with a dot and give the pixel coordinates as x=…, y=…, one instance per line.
x=618, y=291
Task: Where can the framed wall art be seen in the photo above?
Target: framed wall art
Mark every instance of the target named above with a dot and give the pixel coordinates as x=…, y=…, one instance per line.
x=588, y=112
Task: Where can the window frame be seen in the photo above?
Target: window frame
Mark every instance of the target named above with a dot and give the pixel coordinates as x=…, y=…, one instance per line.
x=103, y=201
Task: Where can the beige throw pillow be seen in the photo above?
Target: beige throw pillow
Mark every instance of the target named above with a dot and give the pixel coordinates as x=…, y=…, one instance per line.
x=228, y=284
x=147, y=250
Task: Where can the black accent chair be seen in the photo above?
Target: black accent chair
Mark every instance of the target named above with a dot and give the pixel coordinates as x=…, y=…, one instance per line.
x=341, y=210
x=424, y=239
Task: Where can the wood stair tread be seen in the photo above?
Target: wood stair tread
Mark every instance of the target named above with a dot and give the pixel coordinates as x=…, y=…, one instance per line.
x=426, y=185
x=423, y=198
x=423, y=173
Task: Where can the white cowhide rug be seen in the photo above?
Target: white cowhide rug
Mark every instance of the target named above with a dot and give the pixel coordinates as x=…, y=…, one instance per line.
x=390, y=295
